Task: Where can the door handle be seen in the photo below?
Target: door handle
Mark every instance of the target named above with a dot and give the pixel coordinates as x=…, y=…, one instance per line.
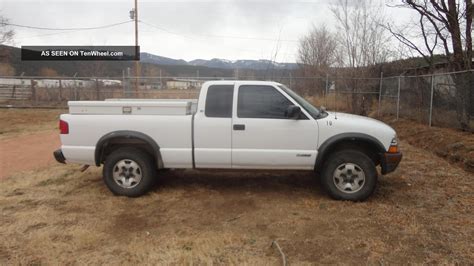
x=239, y=127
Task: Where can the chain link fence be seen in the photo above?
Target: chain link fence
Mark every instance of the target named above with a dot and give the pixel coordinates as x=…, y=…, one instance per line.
x=441, y=99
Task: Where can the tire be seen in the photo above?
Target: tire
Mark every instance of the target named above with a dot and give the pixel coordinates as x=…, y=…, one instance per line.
x=129, y=172
x=349, y=175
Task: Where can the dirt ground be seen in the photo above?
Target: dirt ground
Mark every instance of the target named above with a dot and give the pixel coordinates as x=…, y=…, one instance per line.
x=27, y=151
x=422, y=213
x=27, y=139
x=15, y=122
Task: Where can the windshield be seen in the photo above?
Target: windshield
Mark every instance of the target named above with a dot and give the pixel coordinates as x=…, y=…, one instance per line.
x=313, y=111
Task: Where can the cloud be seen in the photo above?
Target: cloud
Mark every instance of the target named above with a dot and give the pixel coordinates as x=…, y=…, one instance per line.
x=187, y=27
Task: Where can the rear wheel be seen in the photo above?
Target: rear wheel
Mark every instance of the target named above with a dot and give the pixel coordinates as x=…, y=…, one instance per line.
x=349, y=175
x=129, y=172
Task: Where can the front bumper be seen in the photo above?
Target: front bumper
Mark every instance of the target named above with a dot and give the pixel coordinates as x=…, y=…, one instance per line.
x=59, y=156
x=390, y=162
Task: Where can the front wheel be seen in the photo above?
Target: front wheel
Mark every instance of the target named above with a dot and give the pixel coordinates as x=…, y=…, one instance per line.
x=349, y=175
x=129, y=172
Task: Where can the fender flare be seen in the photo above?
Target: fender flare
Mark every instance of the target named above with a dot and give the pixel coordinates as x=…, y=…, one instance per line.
x=325, y=147
x=126, y=134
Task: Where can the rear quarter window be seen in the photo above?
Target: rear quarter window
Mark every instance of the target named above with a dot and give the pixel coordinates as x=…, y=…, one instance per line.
x=219, y=101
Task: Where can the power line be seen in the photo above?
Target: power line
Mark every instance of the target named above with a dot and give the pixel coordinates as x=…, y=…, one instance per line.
x=165, y=30
x=198, y=39
x=151, y=25
x=219, y=36
x=67, y=29
x=47, y=34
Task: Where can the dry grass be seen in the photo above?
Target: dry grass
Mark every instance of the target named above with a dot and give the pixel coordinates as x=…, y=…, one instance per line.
x=340, y=103
x=422, y=213
x=454, y=145
x=14, y=122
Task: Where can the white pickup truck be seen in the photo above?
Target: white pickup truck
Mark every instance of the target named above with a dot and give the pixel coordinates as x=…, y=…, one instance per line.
x=234, y=124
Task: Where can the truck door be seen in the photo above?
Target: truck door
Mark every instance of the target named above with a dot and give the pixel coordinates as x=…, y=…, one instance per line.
x=262, y=135
x=213, y=128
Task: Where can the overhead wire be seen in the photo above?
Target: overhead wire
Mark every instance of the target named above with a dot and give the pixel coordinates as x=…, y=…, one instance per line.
x=208, y=35
x=67, y=29
x=219, y=36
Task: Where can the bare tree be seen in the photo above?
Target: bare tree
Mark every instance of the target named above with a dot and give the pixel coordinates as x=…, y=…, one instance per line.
x=318, y=48
x=362, y=45
x=271, y=63
x=445, y=27
x=363, y=39
x=316, y=54
x=6, y=34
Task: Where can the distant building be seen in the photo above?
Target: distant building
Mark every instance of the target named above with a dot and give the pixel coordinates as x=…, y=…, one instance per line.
x=110, y=82
x=148, y=84
x=54, y=83
x=184, y=84
x=14, y=82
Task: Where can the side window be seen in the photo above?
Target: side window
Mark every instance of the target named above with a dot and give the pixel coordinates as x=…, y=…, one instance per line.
x=257, y=101
x=219, y=101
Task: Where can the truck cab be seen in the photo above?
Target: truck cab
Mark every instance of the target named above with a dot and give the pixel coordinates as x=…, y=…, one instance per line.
x=248, y=124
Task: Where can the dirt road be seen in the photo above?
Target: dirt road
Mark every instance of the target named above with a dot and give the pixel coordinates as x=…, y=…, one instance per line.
x=27, y=152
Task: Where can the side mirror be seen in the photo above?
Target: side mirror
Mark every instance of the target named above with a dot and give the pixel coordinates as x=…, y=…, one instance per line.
x=293, y=112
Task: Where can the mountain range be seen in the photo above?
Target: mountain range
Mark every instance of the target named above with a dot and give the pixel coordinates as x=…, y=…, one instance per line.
x=261, y=64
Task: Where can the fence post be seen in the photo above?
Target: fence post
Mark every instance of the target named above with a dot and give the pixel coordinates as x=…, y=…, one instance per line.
x=398, y=96
x=123, y=85
x=431, y=99
x=290, y=80
x=335, y=94
x=127, y=89
x=326, y=91
x=13, y=91
x=60, y=90
x=380, y=94
x=33, y=91
x=75, y=87
x=97, y=89
x=75, y=90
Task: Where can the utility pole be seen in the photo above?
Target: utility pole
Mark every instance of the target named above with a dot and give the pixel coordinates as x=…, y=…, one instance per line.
x=134, y=16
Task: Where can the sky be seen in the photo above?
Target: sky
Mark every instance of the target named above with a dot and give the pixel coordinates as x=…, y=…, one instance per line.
x=228, y=29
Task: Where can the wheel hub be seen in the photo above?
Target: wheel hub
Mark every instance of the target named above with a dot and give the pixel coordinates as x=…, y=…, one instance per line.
x=349, y=178
x=127, y=173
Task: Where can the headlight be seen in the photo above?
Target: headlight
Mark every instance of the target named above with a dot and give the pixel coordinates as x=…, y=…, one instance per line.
x=393, y=146
x=394, y=141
